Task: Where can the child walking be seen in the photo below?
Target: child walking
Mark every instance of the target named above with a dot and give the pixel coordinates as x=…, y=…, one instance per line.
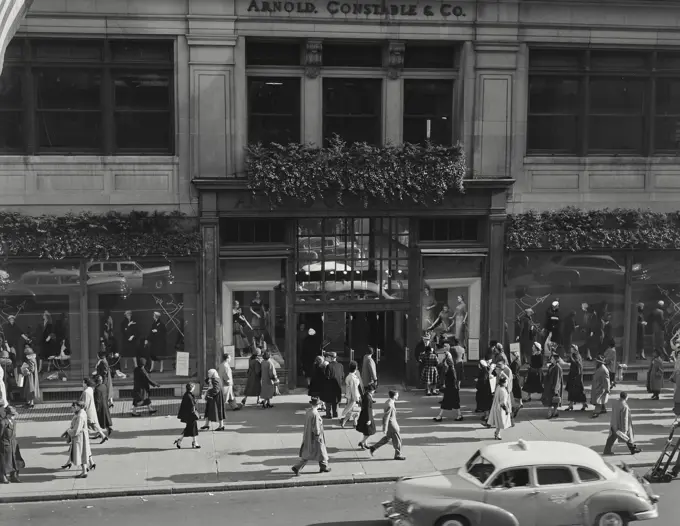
x=390, y=427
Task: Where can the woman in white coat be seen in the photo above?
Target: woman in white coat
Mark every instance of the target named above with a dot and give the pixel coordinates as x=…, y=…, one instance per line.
x=87, y=398
x=79, y=442
x=499, y=416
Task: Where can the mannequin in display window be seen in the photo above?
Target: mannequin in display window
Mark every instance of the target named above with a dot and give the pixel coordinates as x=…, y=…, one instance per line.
x=428, y=304
x=15, y=338
x=526, y=334
x=130, y=339
x=47, y=339
x=443, y=321
x=239, y=323
x=257, y=320
x=460, y=316
x=657, y=320
x=640, y=339
x=552, y=323
x=155, y=344
x=593, y=329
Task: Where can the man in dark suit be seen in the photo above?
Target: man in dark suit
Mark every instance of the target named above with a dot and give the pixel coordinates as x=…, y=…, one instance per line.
x=335, y=376
x=156, y=341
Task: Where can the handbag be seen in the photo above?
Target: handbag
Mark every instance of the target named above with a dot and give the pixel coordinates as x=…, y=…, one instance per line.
x=19, y=378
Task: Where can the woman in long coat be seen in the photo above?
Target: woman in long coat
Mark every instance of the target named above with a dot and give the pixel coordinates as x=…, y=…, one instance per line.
x=268, y=382
x=90, y=409
x=451, y=400
x=601, y=386
x=430, y=373
x=515, y=365
x=29, y=370
x=313, y=446
x=214, y=401
x=499, y=416
x=11, y=461
x=484, y=396
x=254, y=379
x=655, y=376
x=104, y=370
x=366, y=422
x=576, y=392
x=534, y=381
x=80, y=454
x=553, y=386
x=188, y=415
x=101, y=405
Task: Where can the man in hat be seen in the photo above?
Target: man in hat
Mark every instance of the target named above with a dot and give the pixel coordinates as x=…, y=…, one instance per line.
x=621, y=427
x=657, y=320
x=141, y=391
x=156, y=341
x=11, y=461
x=335, y=375
x=601, y=387
x=390, y=427
x=227, y=378
x=552, y=323
x=15, y=337
x=313, y=446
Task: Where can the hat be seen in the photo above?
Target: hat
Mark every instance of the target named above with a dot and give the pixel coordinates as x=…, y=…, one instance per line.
x=4, y=354
x=555, y=355
x=555, y=303
x=258, y=351
x=660, y=303
x=28, y=351
x=483, y=363
x=332, y=354
x=600, y=359
x=640, y=305
x=314, y=401
x=311, y=332
x=11, y=317
x=156, y=313
x=538, y=346
x=529, y=311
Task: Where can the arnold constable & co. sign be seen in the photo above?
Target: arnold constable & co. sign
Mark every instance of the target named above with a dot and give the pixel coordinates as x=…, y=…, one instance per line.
x=335, y=7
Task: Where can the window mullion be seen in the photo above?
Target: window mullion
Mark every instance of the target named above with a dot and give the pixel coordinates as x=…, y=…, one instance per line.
x=650, y=118
x=585, y=110
x=108, y=117
x=30, y=114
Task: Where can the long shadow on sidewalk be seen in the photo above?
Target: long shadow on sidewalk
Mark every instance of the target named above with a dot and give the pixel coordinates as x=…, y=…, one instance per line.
x=36, y=475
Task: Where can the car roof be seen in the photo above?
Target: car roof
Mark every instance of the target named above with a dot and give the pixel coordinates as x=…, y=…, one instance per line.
x=536, y=453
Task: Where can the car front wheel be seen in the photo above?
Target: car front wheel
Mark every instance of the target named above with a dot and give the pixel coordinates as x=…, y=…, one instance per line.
x=453, y=520
x=611, y=518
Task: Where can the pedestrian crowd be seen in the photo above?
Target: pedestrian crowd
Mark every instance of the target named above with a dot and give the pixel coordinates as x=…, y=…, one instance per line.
x=501, y=392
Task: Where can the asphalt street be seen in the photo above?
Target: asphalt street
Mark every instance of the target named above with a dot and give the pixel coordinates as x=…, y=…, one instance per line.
x=352, y=505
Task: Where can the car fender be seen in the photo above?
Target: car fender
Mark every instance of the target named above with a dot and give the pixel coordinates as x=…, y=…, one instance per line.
x=480, y=514
x=609, y=500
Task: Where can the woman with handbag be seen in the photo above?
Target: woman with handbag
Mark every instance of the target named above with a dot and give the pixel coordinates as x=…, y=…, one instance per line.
x=269, y=381
x=78, y=439
x=188, y=415
x=552, y=388
x=29, y=372
x=214, y=401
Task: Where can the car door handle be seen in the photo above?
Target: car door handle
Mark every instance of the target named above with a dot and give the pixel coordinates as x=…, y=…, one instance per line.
x=573, y=496
x=533, y=493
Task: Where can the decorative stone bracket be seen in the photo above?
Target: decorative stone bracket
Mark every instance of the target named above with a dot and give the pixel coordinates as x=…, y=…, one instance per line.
x=395, y=59
x=313, y=58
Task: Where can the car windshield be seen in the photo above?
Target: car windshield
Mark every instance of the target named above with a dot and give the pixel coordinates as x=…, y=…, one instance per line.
x=479, y=467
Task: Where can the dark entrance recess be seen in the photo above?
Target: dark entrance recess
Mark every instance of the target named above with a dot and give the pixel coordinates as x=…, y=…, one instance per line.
x=349, y=334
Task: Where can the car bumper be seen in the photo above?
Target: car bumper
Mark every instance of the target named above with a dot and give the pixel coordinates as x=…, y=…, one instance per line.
x=647, y=515
x=395, y=516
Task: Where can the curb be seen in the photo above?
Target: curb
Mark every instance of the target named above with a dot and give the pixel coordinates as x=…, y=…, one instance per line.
x=189, y=489
x=225, y=487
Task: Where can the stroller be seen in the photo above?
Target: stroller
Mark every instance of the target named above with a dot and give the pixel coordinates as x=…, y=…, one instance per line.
x=659, y=473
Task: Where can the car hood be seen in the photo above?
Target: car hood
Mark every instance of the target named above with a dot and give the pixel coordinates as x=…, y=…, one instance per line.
x=445, y=483
x=156, y=270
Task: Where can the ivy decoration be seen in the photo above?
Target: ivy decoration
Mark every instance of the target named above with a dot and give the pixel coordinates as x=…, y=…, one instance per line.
x=98, y=236
x=413, y=173
x=574, y=230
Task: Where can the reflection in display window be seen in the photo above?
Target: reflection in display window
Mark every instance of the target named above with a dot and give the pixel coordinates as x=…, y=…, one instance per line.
x=566, y=299
x=39, y=309
x=451, y=300
x=154, y=320
x=348, y=259
x=656, y=301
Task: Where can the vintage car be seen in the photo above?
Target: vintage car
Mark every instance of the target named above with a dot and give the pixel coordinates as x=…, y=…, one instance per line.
x=525, y=484
x=136, y=276
x=58, y=281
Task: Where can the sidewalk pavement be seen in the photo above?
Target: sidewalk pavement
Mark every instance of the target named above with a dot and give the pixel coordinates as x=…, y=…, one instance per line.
x=260, y=446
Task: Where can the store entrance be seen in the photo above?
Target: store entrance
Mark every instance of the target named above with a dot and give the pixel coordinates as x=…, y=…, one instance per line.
x=351, y=333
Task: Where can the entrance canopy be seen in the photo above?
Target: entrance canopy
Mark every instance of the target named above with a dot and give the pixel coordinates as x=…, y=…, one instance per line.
x=12, y=12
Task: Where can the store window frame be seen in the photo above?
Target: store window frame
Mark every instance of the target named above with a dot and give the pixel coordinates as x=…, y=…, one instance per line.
x=653, y=70
x=23, y=56
x=435, y=72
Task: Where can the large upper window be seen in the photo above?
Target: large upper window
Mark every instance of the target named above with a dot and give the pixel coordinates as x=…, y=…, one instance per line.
x=105, y=97
x=428, y=111
x=273, y=110
x=603, y=102
x=351, y=109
